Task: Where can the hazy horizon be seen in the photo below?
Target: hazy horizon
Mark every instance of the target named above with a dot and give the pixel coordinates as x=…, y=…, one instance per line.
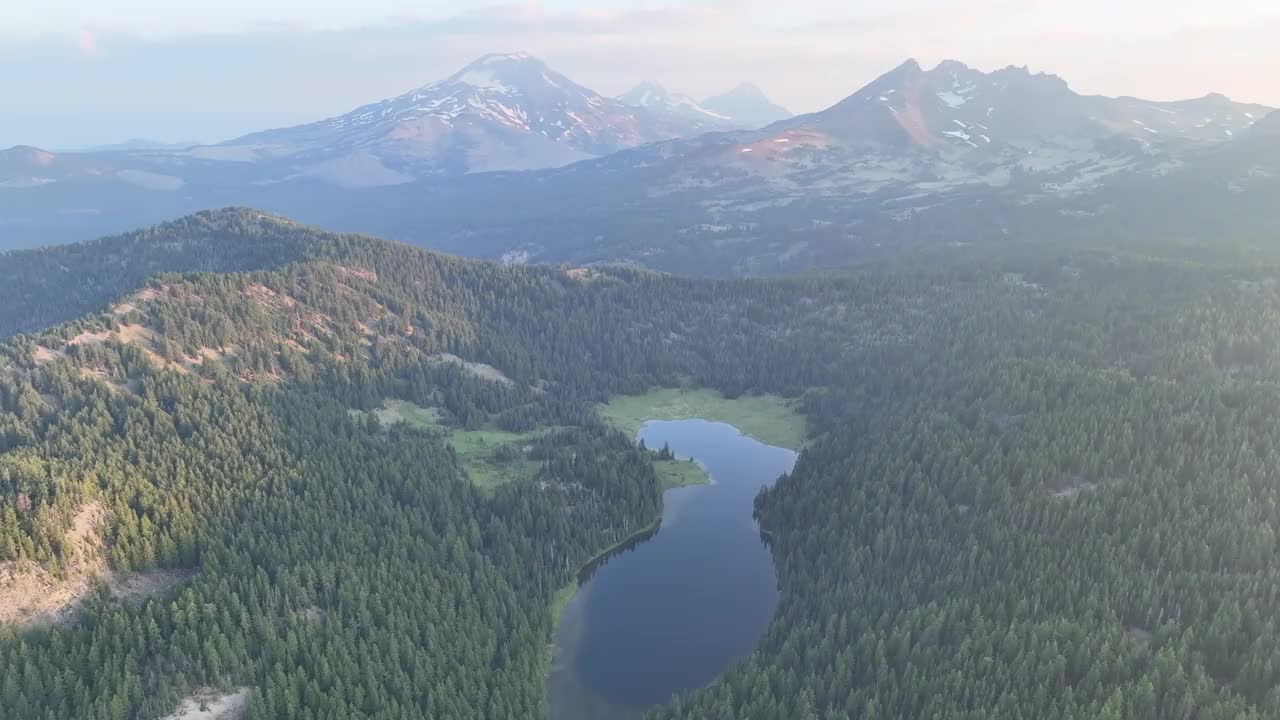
x=130, y=69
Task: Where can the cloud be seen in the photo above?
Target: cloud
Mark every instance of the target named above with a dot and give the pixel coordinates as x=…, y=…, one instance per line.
x=536, y=18
x=87, y=43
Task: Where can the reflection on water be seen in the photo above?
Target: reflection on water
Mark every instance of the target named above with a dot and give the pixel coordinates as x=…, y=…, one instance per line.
x=673, y=610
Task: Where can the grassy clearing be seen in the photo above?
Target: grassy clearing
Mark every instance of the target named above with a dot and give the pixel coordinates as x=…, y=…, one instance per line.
x=768, y=418
x=409, y=414
x=679, y=473
x=396, y=412
x=482, y=454
x=490, y=456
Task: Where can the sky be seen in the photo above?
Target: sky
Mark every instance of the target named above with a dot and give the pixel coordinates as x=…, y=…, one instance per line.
x=78, y=73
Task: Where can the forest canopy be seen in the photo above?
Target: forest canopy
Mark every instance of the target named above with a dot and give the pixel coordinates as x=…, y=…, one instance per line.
x=1043, y=486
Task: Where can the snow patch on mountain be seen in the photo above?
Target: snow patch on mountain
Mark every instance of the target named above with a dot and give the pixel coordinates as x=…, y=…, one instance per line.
x=501, y=112
x=485, y=79
x=655, y=98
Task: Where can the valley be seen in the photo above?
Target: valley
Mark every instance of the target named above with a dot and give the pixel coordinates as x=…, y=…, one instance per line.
x=218, y=399
x=639, y=360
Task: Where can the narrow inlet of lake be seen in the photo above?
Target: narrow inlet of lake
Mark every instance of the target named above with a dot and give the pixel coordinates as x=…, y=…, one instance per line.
x=675, y=610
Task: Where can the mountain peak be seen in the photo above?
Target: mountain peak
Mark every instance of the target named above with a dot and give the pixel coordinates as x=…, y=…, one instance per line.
x=746, y=90
x=21, y=150
x=645, y=94
x=501, y=112
x=498, y=58
x=507, y=73
x=656, y=99
x=956, y=107
x=900, y=77
x=954, y=65
x=911, y=65
x=28, y=155
x=1022, y=75
x=748, y=106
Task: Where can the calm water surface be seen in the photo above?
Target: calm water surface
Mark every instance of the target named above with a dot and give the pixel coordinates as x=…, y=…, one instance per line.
x=675, y=610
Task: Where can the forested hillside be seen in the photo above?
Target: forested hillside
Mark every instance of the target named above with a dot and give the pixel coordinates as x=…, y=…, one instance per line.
x=1044, y=488
x=39, y=288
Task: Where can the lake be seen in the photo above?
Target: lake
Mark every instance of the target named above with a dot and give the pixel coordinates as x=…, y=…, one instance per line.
x=674, y=610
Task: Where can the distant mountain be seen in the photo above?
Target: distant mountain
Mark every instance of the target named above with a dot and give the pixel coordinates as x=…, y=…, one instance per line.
x=917, y=133
x=748, y=106
x=502, y=112
x=138, y=144
x=743, y=108
x=26, y=166
x=948, y=155
x=954, y=105
x=917, y=157
x=657, y=99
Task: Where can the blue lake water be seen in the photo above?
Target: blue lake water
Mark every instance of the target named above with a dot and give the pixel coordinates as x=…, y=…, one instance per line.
x=675, y=610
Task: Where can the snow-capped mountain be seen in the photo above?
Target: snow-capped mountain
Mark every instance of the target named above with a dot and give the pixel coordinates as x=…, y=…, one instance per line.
x=956, y=105
x=501, y=112
x=744, y=108
x=924, y=132
x=657, y=99
x=748, y=106
x=949, y=154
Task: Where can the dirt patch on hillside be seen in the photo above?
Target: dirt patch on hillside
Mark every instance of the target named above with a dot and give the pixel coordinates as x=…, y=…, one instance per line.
x=90, y=338
x=361, y=273
x=144, y=295
x=210, y=704
x=206, y=353
x=1071, y=492
x=138, y=586
x=135, y=334
x=31, y=595
x=480, y=370
x=268, y=297
x=44, y=355
x=146, y=339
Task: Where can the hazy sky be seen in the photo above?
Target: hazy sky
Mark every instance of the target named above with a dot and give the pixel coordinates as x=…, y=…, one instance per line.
x=80, y=72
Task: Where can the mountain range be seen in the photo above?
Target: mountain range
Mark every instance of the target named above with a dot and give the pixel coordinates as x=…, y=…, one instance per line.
x=508, y=158
x=744, y=107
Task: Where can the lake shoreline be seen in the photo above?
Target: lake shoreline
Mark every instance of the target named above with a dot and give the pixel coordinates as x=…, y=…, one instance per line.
x=558, y=601
x=676, y=601
x=768, y=419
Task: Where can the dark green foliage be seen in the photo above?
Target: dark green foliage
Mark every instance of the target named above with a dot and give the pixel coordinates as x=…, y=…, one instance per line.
x=1044, y=488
